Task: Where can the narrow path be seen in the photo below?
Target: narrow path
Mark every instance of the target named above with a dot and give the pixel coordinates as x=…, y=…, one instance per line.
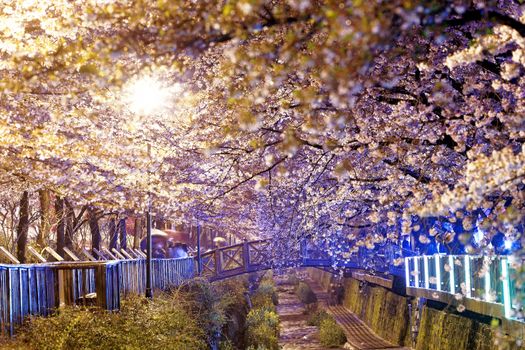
x=359, y=335
x=295, y=332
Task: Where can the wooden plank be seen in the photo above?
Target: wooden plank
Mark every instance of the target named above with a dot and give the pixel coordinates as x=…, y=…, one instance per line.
x=100, y=286
x=72, y=255
x=100, y=255
x=108, y=254
x=53, y=254
x=117, y=254
x=88, y=255
x=36, y=254
x=126, y=254
x=8, y=255
x=140, y=253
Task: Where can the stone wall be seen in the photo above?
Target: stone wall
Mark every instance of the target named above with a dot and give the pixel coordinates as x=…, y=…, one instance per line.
x=387, y=314
x=442, y=330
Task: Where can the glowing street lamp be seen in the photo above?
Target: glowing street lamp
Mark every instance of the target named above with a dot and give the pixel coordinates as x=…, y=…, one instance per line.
x=147, y=96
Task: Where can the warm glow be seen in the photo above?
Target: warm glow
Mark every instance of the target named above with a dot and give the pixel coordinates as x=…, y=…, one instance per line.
x=149, y=96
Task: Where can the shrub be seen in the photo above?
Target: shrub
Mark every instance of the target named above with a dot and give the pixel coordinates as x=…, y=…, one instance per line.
x=233, y=301
x=265, y=295
x=316, y=317
x=141, y=324
x=226, y=345
x=331, y=334
x=262, y=322
x=205, y=303
x=305, y=293
x=262, y=328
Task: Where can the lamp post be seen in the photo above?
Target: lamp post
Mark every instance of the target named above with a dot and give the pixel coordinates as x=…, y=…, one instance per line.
x=147, y=96
x=149, y=290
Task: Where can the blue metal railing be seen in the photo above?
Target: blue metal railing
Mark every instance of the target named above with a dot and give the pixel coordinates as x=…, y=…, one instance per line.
x=478, y=278
x=39, y=289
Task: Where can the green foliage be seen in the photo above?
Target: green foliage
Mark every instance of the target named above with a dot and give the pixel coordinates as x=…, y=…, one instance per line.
x=305, y=293
x=233, y=302
x=141, y=324
x=265, y=295
x=260, y=347
x=316, y=317
x=262, y=322
x=262, y=328
x=331, y=334
x=226, y=345
x=212, y=303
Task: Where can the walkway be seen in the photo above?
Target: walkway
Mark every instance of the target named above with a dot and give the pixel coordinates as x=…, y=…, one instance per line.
x=359, y=335
x=296, y=334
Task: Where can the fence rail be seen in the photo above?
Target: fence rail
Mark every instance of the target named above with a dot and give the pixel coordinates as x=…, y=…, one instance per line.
x=486, y=283
x=39, y=289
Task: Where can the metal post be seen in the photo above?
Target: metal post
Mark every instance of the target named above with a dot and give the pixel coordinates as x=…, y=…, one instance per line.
x=199, y=262
x=149, y=292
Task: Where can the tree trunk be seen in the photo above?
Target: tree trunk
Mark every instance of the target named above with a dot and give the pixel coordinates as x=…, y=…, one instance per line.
x=70, y=225
x=159, y=224
x=23, y=227
x=45, y=218
x=113, y=234
x=61, y=225
x=95, y=229
x=137, y=234
x=123, y=234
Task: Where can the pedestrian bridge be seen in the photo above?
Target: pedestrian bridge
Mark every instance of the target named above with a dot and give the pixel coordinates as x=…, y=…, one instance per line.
x=487, y=285
x=246, y=257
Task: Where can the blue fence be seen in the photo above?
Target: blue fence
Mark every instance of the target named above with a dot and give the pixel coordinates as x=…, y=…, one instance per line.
x=39, y=289
x=471, y=280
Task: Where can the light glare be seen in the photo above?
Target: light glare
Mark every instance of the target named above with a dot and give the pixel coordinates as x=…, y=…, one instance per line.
x=148, y=96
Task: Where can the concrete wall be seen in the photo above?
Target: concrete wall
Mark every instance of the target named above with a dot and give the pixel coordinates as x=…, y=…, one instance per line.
x=387, y=314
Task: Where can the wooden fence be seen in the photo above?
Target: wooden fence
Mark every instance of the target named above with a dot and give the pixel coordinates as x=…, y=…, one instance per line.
x=39, y=289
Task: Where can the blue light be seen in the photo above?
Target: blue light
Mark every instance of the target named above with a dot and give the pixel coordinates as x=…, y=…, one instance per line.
x=425, y=265
x=507, y=302
x=416, y=271
x=438, y=273
x=487, y=285
x=407, y=272
x=452, y=279
x=467, y=277
x=478, y=235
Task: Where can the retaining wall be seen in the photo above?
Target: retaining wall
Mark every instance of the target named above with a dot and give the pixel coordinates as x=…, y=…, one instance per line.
x=387, y=314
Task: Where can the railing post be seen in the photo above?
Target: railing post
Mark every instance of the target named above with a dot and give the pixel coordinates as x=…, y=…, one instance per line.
x=101, y=286
x=199, y=260
x=303, y=250
x=149, y=291
x=246, y=256
x=61, y=288
x=10, y=301
x=218, y=261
